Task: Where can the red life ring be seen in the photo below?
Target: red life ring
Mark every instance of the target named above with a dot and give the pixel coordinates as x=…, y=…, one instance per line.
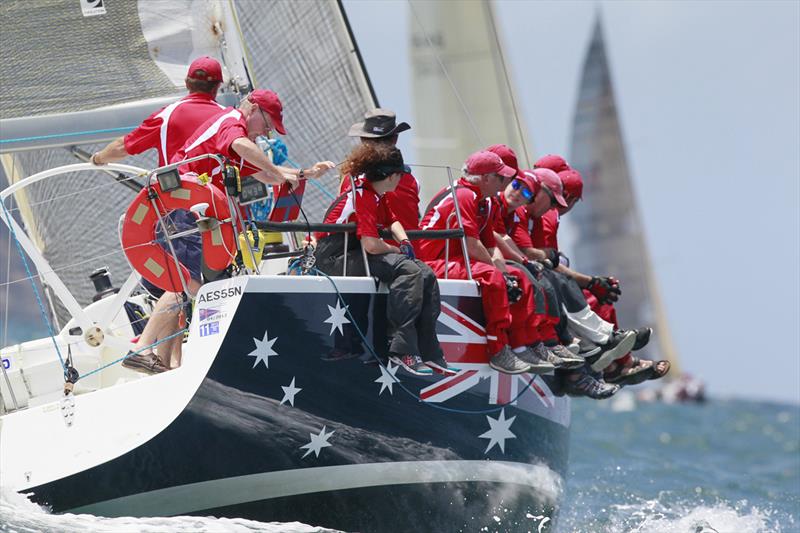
x=148, y=258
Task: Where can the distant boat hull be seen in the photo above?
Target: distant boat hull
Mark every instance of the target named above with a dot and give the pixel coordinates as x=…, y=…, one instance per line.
x=354, y=451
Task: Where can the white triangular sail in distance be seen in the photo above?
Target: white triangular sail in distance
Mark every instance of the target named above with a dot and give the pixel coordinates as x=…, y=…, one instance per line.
x=462, y=93
x=609, y=233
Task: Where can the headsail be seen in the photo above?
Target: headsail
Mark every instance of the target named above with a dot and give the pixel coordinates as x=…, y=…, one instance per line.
x=610, y=236
x=462, y=92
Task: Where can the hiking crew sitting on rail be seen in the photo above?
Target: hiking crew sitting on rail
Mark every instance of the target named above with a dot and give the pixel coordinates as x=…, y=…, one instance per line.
x=507, y=295
x=413, y=303
x=165, y=131
x=599, y=293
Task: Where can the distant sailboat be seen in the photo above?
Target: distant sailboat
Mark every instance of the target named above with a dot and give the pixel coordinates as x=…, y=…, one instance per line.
x=610, y=237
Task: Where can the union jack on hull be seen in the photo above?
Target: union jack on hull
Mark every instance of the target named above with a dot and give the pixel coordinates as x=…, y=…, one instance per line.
x=465, y=348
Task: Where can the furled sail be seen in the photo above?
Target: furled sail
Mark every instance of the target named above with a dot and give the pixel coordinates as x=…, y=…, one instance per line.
x=610, y=237
x=95, y=77
x=463, y=96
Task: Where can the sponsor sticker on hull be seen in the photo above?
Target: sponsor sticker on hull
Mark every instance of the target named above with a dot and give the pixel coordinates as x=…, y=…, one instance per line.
x=211, y=328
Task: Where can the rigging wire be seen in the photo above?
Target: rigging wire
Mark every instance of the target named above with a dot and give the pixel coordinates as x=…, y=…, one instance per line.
x=510, y=87
x=447, y=75
x=35, y=289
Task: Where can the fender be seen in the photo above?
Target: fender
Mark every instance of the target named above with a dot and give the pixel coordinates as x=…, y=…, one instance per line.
x=148, y=258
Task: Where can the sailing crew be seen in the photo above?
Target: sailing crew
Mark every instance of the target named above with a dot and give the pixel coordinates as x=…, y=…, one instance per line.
x=508, y=302
x=520, y=192
x=599, y=292
x=413, y=303
x=165, y=131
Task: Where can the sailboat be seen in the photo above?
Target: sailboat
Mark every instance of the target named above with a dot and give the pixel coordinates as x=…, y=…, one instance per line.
x=255, y=423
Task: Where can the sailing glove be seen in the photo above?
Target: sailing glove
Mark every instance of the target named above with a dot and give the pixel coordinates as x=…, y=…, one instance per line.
x=605, y=289
x=552, y=256
x=512, y=288
x=406, y=249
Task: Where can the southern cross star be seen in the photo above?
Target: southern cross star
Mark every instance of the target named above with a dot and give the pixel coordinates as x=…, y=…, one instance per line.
x=499, y=431
x=337, y=318
x=317, y=442
x=289, y=393
x=387, y=378
x=263, y=350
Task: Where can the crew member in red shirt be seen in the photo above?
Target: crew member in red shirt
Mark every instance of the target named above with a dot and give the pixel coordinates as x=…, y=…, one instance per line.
x=510, y=229
x=506, y=291
x=232, y=132
x=165, y=131
x=413, y=304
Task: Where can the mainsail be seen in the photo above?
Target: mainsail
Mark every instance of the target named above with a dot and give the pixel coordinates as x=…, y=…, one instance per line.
x=463, y=96
x=96, y=77
x=610, y=237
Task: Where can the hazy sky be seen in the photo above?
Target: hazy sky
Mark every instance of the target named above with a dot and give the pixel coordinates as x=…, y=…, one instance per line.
x=709, y=101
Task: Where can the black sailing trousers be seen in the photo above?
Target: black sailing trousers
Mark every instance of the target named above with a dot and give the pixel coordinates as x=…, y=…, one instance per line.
x=413, y=304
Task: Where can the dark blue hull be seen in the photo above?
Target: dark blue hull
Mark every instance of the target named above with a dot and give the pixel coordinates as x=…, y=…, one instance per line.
x=353, y=452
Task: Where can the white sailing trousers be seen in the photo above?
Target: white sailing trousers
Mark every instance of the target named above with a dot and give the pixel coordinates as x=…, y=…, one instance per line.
x=588, y=325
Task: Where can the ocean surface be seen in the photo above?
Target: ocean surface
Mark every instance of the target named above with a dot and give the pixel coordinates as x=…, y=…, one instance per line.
x=726, y=466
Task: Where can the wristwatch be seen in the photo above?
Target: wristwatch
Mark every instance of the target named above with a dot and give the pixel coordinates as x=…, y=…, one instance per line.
x=302, y=174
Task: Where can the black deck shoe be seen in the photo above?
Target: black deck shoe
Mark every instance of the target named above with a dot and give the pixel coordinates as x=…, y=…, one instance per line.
x=642, y=338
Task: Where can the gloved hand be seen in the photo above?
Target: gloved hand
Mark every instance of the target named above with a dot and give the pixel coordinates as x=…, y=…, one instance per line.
x=535, y=268
x=605, y=289
x=552, y=256
x=407, y=249
x=512, y=288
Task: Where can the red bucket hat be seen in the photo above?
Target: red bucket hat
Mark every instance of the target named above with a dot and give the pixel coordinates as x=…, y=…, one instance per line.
x=269, y=102
x=556, y=163
x=210, y=67
x=485, y=162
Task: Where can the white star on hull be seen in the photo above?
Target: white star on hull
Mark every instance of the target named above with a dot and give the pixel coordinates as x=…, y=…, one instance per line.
x=263, y=350
x=289, y=393
x=499, y=431
x=387, y=378
x=337, y=318
x=317, y=442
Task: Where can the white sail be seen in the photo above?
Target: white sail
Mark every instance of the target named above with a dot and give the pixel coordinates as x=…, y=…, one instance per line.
x=610, y=236
x=139, y=55
x=462, y=92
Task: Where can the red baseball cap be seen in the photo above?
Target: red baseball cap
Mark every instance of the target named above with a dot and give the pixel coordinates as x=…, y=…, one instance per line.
x=269, y=102
x=573, y=183
x=506, y=154
x=556, y=163
x=212, y=71
x=485, y=162
x=550, y=179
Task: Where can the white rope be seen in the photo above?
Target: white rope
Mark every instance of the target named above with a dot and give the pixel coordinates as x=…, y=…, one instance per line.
x=447, y=75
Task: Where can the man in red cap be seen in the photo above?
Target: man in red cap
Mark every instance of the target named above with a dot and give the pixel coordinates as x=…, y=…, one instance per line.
x=168, y=128
x=165, y=131
x=508, y=228
x=511, y=322
x=232, y=134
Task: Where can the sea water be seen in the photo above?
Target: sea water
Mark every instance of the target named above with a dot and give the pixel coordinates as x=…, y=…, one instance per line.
x=727, y=466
